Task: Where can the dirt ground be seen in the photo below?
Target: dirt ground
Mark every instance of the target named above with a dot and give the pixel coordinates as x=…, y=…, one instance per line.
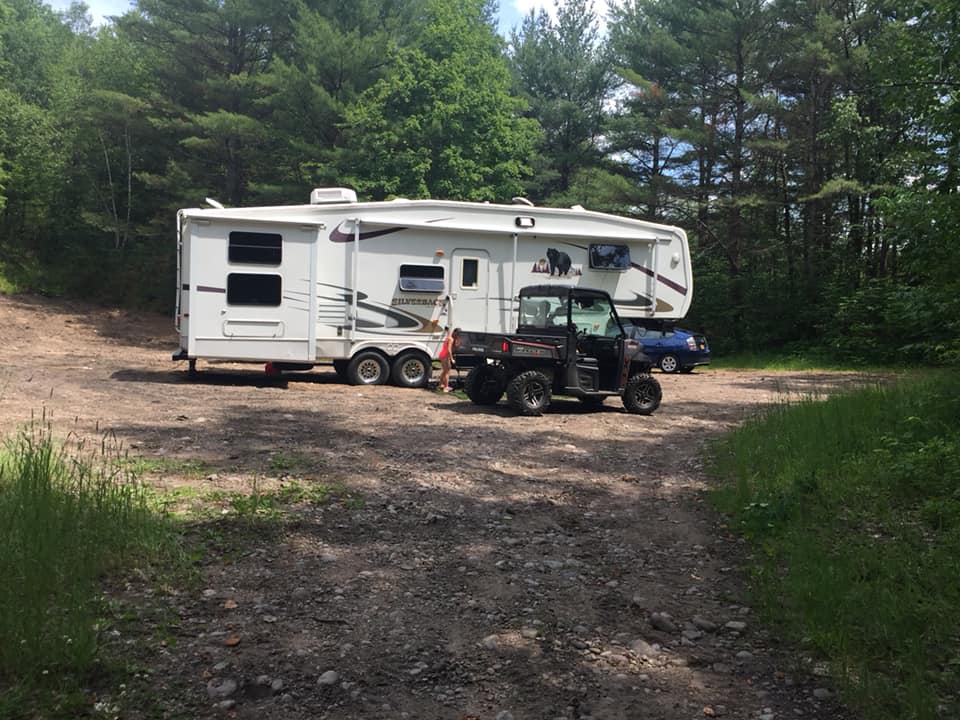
x=469, y=563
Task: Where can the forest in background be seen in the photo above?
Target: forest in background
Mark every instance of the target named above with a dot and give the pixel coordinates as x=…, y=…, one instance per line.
x=808, y=147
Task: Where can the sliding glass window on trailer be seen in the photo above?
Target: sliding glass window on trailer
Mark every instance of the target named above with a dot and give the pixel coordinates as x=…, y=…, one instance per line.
x=255, y=248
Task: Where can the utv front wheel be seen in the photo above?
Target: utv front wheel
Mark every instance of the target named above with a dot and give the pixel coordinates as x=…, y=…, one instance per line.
x=529, y=392
x=484, y=385
x=642, y=394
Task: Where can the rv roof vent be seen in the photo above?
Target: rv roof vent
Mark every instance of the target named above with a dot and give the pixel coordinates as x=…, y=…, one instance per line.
x=522, y=201
x=320, y=196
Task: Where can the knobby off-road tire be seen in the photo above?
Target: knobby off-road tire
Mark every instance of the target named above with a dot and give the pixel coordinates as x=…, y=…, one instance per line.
x=529, y=392
x=642, y=394
x=484, y=385
x=411, y=370
x=368, y=368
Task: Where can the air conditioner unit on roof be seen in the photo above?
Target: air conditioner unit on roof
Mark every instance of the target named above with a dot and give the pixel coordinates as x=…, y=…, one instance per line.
x=323, y=196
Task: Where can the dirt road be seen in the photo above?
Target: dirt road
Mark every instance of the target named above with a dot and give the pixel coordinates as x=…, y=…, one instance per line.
x=465, y=563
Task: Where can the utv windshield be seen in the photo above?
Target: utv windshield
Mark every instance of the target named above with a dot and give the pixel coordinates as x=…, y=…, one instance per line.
x=543, y=312
x=595, y=316
x=588, y=312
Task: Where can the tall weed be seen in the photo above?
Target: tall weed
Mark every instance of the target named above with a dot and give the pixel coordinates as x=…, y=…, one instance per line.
x=854, y=504
x=67, y=518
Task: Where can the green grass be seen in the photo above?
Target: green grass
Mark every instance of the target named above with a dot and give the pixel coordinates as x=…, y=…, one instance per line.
x=155, y=466
x=197, y=503
x=787, y=361
x=853, y=507
x=67, y=519
x=74, y=518
x=272, y=504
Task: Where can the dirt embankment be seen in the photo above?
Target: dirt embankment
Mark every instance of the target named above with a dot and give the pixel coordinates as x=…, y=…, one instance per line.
x=468, y=563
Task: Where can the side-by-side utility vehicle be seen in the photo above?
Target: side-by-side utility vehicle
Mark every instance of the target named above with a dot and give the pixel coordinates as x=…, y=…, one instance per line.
x=569, y=341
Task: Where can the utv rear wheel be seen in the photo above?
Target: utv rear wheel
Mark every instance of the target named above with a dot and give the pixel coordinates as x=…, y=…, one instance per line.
x=642, y=394
x=529, y=392
x=367, y=368
x=411, y=370
x=669, y=363
x=484, y=385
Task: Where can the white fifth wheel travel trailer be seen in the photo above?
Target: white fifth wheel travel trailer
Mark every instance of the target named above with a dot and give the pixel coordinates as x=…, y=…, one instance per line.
x=373, y=285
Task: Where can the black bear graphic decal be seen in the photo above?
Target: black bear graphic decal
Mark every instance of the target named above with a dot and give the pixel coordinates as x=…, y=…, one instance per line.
x=559, y=262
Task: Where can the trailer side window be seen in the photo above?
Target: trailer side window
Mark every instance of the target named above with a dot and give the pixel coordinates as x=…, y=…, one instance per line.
x=469, y=274
x=255, y=248
x=421, y=278
x=609, y=257
x=250, y=289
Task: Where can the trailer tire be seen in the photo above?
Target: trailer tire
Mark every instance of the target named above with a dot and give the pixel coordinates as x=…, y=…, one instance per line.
x=411, y=370
x=484, y=385
x=368, y=368
x=642, y=394
x=529, y=392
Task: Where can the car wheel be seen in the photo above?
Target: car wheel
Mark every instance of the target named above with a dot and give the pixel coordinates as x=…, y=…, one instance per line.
x=642, y=394
x=484, y=385
x=669, y=363
x=411, y=370
x=367, y=368
x=529, y=392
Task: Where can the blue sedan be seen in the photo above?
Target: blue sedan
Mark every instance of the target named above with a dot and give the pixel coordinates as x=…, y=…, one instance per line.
x=669, y=348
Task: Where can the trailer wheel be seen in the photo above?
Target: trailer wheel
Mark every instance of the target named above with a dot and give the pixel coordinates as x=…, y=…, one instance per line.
x=642, y=394
x=367, y=368
x=411, y=370
x=484, y=385
x=529, y=392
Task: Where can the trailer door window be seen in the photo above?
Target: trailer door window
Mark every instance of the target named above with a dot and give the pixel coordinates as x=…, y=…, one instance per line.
x=469, y=274
x=421, y=278
x=609, y=257
x=253, y=248
x=250, y=289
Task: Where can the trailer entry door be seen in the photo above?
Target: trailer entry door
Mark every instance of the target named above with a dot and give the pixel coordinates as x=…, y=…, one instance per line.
x=469, y=289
